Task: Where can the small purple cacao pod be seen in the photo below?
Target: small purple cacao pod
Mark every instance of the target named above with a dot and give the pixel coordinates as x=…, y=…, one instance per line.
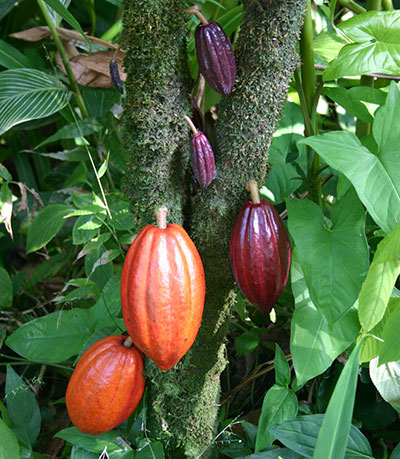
x=203, y=163
x=260, y=254
x=115, y=78
x=215, y=57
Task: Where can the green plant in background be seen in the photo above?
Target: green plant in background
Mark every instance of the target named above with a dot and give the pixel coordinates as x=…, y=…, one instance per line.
x=67, y=225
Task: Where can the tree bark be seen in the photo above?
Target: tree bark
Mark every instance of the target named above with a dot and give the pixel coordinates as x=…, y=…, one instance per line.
x=183, y=402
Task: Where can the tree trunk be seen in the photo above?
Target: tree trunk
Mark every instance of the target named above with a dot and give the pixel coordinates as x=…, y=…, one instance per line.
x=183, y=402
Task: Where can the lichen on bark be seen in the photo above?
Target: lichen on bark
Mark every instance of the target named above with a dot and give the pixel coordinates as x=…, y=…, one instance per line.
x=183, y=402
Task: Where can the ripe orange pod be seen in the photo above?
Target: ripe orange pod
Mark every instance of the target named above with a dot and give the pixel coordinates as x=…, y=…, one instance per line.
x=106, y=386
x=162, y=292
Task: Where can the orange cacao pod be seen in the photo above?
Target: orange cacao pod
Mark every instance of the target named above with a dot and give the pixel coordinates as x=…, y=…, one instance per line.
x=260, y=254
x=106, y=386
x=162, y=293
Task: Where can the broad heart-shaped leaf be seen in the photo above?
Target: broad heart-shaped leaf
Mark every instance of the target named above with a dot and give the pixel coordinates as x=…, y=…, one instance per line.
x=331, y=443
x=378, y=285
x=376, y=48
x=314, y=343
x=386, y=379
x=390, y=350
x=279, y=403
x=27, y=94
x=9, y=447
x=94, y=443
x=334, y=261
x=46, y=225
x=300, y=435
x=52, y=338
x=375, y=182
x=22, y=408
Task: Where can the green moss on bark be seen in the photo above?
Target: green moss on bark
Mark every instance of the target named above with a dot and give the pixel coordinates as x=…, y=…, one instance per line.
x=183, y=402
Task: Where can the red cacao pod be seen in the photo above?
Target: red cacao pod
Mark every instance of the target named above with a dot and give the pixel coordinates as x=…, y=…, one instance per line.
x=215, y=57
x=162, y=293
x=203, y=163
x=106, y=386
x=260, y=254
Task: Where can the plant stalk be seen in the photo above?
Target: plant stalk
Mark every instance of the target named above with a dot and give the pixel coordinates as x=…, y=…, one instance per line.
x=308, y=87
x=387, y=5
x=74, y=85
x=352, y=6
x=374, y=5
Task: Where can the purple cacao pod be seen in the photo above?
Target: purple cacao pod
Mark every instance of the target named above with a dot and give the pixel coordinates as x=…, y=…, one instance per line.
x=260, y=254
x=203, y=163
x=215, y=57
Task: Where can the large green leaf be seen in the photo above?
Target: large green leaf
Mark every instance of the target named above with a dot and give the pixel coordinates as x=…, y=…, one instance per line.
x=23, y=409
x=6, y=289
x=9, y=447
x=279, y=403
x=386, y=379
x=376, y=47
x=334, y=260
x=46, y=225
x=27, y=94
x=390, y=350
x=376, y=178
x=300, y=435
x=11, y=58
x=378, y=286
x=94, y=443
x=314, y=344
x=335, y=429
x=52, y=338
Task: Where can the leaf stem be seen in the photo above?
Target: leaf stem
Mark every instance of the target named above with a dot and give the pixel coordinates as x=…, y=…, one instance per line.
x=352, y=6
x=74, y=85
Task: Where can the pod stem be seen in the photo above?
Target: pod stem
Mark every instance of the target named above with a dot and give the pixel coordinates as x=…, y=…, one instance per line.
x=161, y=217
x=128, y=343
x=192, y=126
x=195, y=10
x=252, y=188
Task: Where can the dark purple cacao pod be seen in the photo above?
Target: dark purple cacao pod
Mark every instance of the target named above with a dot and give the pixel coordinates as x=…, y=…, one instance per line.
x=215, y=57
x=203, y=163
x=115, y=78
x=260, y=254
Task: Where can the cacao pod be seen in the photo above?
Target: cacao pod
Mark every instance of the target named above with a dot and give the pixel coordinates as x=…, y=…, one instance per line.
x=203, y=163
x=106, y=386
x=215, y=57
x=162, y=293
x=260, y=254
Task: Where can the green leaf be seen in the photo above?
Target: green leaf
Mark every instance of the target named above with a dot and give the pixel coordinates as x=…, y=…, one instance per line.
x=9, y=447
x=80, y=128
x=6, y=289
x=4, y=173
x=93, y=443
x=376, y=48
x=300, y=435
x=52, y=338
x=28, y=94
x=60, y=9
x=378, y=286
x=280, y=403
x=315, y=344
x=109, y=304
x=277, y=453
x=6, y=6
x=80, y=453
x=386, y=379
x=390, y=351
x=23, y=409
x=281, y=366
x=373, y=180
x=153, y=450
x=334, y=260
x=354, y=100
x=246, y=343
x=85, y=229
x=11, y=58
x=331, y=443
x=46, y=225
x=327, y=46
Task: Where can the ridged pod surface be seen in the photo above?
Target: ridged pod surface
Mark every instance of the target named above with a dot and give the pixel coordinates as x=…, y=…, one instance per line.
x=215, y=57
x=260, y=254
x=203, y=162
x=162, y=293
x=106, y=386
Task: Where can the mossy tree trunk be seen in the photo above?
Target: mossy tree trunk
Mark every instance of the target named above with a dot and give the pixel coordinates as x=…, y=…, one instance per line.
x=183, y=402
